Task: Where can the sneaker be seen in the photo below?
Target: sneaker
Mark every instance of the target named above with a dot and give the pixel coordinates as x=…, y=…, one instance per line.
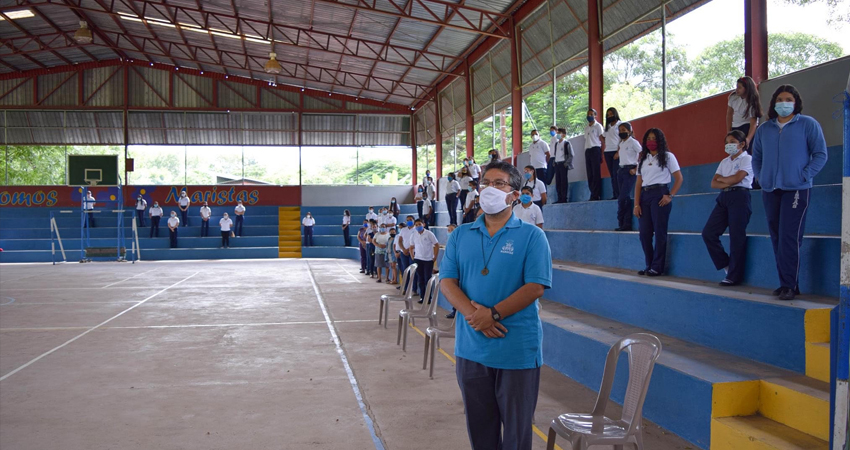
x=450, y=315
x=362, y=271
x=618, y=229
x=787, y=294
x=727, y=282
x=652, y=273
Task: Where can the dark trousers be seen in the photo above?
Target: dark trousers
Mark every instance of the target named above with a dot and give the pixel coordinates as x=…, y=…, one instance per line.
x=205, y=228
x=225, y=239
x=541, y=175
x=786, y=221
x=346, y=235
x=155, y=225
x=451, y=206
x=497, y=398
x=362, y=258
x=424, y=270
x=624, y=200
x=184, y=218
x=89, y=223
x=593, y=164
x=408, y=261
x=308, y=236
x=562, y=182
x=613, y=168
x=550, y=170
x=173, y=237
x=419, y=209
x=370, y=258
x=237, y=229
x=462, y=200
x=470, y=216
x=732, y=210
x=653, y=221
x=140, y=216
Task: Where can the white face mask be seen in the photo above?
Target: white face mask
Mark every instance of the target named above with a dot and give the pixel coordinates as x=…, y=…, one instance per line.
x=732, y=149
x=174, y=215
x=492, y=200
x=535, y=137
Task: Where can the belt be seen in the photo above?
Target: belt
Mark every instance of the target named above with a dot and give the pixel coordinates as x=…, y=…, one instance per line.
x=736, y=188
x=653, y=187
x=629, y=167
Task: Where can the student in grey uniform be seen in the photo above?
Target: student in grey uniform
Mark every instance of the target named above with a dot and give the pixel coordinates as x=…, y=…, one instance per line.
x=184, y=203
x=155, y=215
x=141, y=207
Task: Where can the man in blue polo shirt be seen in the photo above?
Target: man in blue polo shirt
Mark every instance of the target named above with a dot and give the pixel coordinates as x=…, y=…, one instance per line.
x=493, y=271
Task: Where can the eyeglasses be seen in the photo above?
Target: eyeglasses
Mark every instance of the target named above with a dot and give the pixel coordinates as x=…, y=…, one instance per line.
x=498, y=184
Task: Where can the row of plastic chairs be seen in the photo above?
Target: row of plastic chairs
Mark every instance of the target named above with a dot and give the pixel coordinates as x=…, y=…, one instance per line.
x=581, y=430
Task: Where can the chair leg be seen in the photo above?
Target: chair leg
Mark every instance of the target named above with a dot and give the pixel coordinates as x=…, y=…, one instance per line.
x=398, y=339
x=578, y=444
x=386, y=312
x=550, y=443
x=618, y=447
x=425, y=356
x=404, y=335
x=433, y=350
x=639, y=440
x=381, y=312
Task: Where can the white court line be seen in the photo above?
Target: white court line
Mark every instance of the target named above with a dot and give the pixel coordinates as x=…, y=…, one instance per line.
x=69, y=303
x=130, y=278
x=214, y=325
x=34, y=360
x=349, y=273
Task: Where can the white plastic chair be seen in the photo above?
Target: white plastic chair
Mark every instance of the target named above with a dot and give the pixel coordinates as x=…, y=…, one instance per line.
x=584, y=430
x=432, y=343
x=407, y=279
x=428, y=310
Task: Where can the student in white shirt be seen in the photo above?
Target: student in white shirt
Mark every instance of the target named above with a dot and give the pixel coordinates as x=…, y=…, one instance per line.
x=173, y=224
x=346, y=228
x=427, y=211
x=452, y=196
x=474, y=170
x=627, y=154
x=563, y=164
x=744, y=109
x=431, y=191
x=308, y=223
x=88, y=206
x=183, y=203
x=470, y=207
x=155, y=214
x=425, y=248
x=390, y=221
x=206, y=212
x=225, y=223
x=418, y=197
x=240, y=218
x=141, y=207
x=539, y=152
x=612, y=141
x=464, y=179
x=371, y=214
x=654, y=199
x=527, y=211
x=539, y=197
x=553, y=137
x=382, y=243
x=593, y=155
x=732, y=210
x=403, y=242
x=393, y=208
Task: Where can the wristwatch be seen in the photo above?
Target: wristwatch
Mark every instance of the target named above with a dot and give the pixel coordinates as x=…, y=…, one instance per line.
x=496, y=316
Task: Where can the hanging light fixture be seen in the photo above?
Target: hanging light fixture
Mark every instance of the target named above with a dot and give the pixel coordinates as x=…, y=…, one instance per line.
x=83, y=35
x=272, y=66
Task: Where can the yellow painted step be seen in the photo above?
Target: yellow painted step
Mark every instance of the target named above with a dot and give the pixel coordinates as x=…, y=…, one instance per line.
x=817, y=361
x=801, y=403
x=289, y=255
x=289, y=226
x=760, y=433
x=289, y=238
x=290, y=232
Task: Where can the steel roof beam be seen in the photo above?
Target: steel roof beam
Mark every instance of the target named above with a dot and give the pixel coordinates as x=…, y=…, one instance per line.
x=28, y=34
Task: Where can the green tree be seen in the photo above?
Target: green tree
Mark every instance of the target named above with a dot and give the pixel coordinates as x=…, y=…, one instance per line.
x=839, y=10
x=34, y=165
x=378, y=171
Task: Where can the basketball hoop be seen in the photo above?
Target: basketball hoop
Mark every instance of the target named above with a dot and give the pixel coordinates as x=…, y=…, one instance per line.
x=93, y=176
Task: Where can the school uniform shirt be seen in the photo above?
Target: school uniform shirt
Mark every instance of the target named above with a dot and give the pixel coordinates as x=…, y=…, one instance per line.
x=141, y=204
x=382, y=239
x=346, y=220
x=308, y=221
x=156, y=211
x=560, y=151
x=430, y=191
x=538, y=152
x=453, y=187
x=239, y=209
x=612, y=137
x=423, y=245
x=744, y=162
x=474, y=170
x=538, y=187
x=371, y=215
x=629, y=152
x=591, y=135
x=553, y=141
x=225, y=223
x=406, y=235
x=470, y=198
x=532, y=214
x=464, y=182
x=205, y=212
x=426, y=206
x=173, y=222
x=390, y=221
x=183, y=201
x=740, y=110
x=381, y=219
x=89, y=203
x=651, y=173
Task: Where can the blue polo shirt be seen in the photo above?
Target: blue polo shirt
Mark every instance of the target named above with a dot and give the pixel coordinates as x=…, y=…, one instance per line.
x=520, y=255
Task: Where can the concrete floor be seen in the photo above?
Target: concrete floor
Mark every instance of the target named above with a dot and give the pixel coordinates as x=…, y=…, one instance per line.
x=225, y=355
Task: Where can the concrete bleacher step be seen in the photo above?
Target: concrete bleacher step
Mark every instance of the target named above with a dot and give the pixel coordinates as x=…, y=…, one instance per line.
x=744, y=321
x=289, y=232
x=760, y=433
x=692, y=386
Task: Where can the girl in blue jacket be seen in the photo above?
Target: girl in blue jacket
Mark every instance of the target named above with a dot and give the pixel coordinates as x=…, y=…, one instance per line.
x=788, y=151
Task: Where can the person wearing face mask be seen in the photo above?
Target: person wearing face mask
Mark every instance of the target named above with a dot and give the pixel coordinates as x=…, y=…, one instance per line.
x=428, y=212
x=371, y=214
x=464, y=179
x=527, y=211
x=392, y=257
x=474, y=170
x=346, y=228
x=539, y=152
x=493, y=156
x=593, y=134
x=425, y=248
x=419, y=198
x=308, y=222
x=240, y=218
x=654, y=199
x=627, y=154
x=205, y=219
x=789, y=150
x=88, y=206
x=612, y=142
x=225, y=223
x=494, y=271
x=390, y=221
x=382, y=216
x=173, y=223
x=141, y=207
x=732, y=210
x=431, y=191
x=393, y=208
x=183, y=204
x=361, y=238
x=370, y=248
x=563, y=164
x=381, y=241
x=452, y=196
x=426, y=177
x=403, y=242
x=470, y=207
x=155, y=214
x=531, y=180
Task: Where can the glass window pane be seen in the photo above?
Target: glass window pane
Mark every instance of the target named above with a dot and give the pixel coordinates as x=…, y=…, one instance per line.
x=36, y=164
x=329, y=165
x=158, y=164
x=273, y=165
x=384, y=166
x=213, y=164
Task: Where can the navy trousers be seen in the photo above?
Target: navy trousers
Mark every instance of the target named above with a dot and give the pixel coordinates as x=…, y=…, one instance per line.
x=419, y=209
x=786, y=221
x=732, y=210
x=451, y=206
x=184, y=218
x=308, y=236
x=624, y=200
x=346, y=235
x=593, y=165
x=613, y=168
x=497, y=398
x=541, y=175
x=225, y=239
x=155, y=225
x=205, y=228
x=653, y=222
x=140, y=215
x=424, y=270
x=173, y=237
x=562, y=182
x=363, y=259
x=370, y=259
x=408, y=261
x=238, y=227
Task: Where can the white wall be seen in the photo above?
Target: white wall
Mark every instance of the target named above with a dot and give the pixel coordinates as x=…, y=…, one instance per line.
x=354, y=195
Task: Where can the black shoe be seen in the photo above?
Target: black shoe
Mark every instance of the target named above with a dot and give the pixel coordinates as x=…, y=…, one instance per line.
x=613, y=198
x=618, y=229
x=450, y=315
x=362, y=271
x=643, y=272
x=379, y=280
x=420, y=301
x=652, y=273
x=778, y=291
x=787, y=294
x=727, y=282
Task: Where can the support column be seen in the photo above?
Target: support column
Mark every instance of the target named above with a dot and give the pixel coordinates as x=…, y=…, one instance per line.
x=594, y=56
x=470, y=125
x=755, y=39
x=438, y=144
x=516, y=92
x=413, y=166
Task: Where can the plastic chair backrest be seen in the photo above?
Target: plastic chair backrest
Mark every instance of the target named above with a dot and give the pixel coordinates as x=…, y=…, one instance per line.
x=407, y=279
x=643, y=350
x=432, y=291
